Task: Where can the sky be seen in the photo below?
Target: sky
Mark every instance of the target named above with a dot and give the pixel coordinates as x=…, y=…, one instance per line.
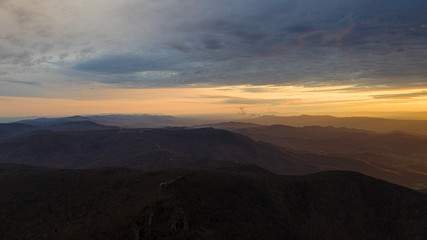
x=236, y=57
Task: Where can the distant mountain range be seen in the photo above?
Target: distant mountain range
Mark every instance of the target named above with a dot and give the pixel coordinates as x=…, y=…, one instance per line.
x=118, y=120
x=112, y=203
x=87, y=123
x=383, y=125
x=417, y=127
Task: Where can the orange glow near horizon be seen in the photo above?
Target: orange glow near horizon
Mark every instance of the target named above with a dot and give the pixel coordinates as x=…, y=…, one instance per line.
x=229, y=100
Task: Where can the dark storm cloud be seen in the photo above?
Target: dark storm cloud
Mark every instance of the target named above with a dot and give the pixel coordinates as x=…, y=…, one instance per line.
x=180, y=47
x=299, y=28
x=212, y=44
x=245, y=32
x=123, y=64
x=280, y=42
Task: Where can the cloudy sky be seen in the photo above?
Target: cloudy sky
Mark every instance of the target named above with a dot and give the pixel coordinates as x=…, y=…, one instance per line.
x=221, y=57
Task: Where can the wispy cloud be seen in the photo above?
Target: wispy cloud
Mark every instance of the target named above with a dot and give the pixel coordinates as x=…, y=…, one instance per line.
x=402, y=95
x=254, y=101
x=259, y=89
x=21, y=82
x=223, y=99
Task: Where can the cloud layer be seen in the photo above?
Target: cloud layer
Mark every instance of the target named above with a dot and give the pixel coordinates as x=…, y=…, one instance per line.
x=146, y=43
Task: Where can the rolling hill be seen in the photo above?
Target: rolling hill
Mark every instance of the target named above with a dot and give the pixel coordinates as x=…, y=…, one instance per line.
x=151, y=149
x=147, y=149
x=10, y=130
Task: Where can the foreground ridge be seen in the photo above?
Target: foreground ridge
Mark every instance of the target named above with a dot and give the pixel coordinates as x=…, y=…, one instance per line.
x=204, y=204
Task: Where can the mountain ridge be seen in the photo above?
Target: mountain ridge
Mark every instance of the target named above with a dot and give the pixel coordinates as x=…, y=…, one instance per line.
x=152, y=149
x=118, y=203
x=417, y=127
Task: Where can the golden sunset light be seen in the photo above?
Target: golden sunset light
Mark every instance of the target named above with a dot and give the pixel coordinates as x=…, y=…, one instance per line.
x=230, y=100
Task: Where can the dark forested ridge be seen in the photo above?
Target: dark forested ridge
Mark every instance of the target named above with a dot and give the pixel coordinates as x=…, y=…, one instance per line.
x=114, y=203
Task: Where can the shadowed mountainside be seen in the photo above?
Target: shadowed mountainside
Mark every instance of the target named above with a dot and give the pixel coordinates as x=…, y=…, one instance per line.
x=204, y=204
x=338, y=140
x=402, y=154
x=148, y=149
x=10, y=130
x=166, y=148
x=77, y=126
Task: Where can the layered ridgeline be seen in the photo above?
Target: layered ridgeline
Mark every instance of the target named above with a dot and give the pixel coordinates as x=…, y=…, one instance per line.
x=151, y=149
x=86, y=123
x=239, y=203
x=119, y=120
x=10, y=130
x=383, y=125
x=75, y=142
x=397, y=157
